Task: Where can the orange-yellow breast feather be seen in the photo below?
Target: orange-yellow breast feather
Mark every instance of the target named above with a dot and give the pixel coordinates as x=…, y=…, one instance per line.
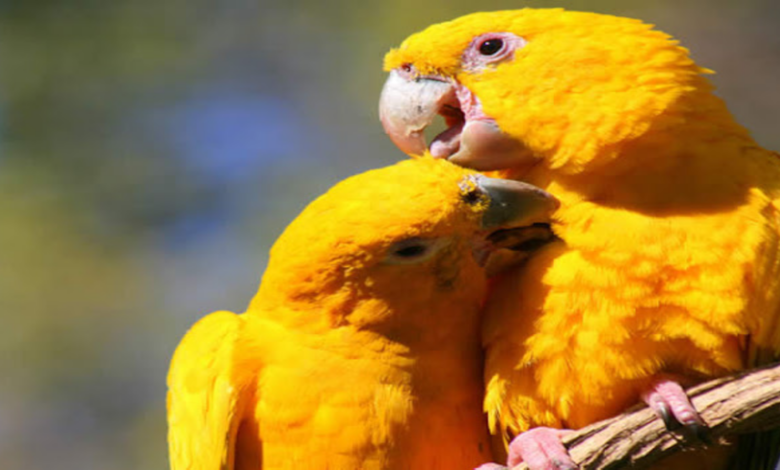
x=669, y=218
x=361, y=348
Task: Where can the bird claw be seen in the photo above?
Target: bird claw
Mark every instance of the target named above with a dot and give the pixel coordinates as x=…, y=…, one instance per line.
x=541, y=449
x=670, y=402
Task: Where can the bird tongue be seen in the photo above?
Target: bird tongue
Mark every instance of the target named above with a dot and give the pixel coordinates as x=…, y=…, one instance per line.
x=447, y=142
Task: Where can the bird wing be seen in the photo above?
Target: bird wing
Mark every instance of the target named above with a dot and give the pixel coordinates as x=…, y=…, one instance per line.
x=206, y=396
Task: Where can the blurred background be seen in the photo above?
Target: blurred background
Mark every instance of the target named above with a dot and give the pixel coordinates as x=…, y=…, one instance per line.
x=152, y=150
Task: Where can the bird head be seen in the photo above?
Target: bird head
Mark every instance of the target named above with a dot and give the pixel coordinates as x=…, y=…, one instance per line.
x=395, y=238
x=568, y=90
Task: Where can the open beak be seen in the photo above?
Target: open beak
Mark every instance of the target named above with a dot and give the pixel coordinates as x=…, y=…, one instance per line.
x=410, y=102
x=408, y=105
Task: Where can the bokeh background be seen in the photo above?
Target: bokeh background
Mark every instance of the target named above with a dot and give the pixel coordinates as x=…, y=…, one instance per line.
x=152, y=150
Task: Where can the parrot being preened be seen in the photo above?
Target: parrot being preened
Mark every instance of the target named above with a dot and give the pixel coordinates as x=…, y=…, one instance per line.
x=668, y=270
x=361, y=349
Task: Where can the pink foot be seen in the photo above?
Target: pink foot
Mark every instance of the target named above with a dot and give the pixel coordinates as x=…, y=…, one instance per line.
x=541, y=449
x=492, y=466
x=670, y=402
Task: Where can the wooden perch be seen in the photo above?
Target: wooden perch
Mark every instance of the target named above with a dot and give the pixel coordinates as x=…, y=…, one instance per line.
x=739, y=404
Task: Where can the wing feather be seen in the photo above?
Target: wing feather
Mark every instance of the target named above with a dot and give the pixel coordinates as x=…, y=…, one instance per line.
x=205, y=398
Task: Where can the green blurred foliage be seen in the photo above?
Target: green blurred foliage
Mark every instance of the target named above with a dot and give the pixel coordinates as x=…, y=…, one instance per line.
x=125, y=215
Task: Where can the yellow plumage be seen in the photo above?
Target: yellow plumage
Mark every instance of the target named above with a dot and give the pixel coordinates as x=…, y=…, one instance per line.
x=361, y=348
x=669, y=216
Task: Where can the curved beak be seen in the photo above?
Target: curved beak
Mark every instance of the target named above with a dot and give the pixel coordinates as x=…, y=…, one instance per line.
x=517, y=218
x=408, y=105
x=515, y=203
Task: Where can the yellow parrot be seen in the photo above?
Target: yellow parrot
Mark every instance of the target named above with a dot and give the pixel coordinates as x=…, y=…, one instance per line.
x=668, y=272
x=361, y=349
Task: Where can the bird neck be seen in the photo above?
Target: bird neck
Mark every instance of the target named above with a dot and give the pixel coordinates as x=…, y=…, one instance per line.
x=694, y=158
x=690, y=121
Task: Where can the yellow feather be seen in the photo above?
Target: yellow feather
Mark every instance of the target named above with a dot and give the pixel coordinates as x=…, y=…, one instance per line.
x=343, y=360
x=669, y=217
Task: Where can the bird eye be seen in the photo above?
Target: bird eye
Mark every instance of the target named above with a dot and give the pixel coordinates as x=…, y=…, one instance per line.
x=413, y=250
x=490, y=49
x=491, y=46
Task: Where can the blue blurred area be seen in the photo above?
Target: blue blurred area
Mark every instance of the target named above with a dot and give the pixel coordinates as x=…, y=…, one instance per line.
x=225, y=135
x=153, y=150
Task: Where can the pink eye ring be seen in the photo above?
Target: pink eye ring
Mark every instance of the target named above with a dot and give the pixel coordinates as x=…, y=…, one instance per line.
x=490, y=49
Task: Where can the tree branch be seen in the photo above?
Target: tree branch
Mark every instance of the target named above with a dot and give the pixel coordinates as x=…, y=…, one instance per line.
x=743, y=403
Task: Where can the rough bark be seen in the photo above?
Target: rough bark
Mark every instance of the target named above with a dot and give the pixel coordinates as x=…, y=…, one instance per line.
x=739, y=404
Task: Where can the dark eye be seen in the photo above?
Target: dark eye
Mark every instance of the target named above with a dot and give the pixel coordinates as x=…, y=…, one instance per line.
x=413, y=250
x=491, y=46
